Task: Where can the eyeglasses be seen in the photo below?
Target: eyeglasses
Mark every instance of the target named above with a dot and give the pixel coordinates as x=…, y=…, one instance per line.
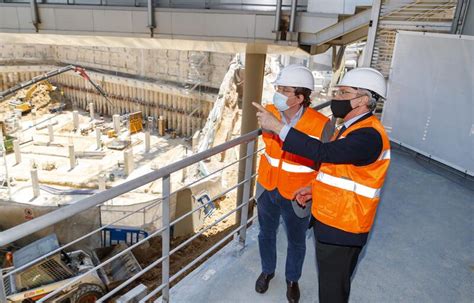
x=340, y=92
x=285, y=89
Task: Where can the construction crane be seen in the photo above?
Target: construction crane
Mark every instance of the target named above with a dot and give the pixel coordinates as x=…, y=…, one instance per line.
x=80, y=70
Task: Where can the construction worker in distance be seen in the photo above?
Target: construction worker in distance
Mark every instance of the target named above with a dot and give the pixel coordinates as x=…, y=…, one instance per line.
x=346, y=190
x=281, y=174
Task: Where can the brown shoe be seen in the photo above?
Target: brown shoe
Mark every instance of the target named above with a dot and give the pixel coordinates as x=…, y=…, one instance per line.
x=263, y=280
x=292, y=292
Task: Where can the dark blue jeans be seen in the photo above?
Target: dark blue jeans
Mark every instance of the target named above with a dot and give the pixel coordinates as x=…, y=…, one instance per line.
x=271, y=205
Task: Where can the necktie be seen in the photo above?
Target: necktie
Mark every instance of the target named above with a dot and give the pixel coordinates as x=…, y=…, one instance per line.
x=343, y=128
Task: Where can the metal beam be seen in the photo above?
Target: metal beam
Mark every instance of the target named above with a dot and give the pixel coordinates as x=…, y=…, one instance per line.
x=337, y=30
x=371, y=35
x=319, y=49
x=415, y=25
x=357, y=35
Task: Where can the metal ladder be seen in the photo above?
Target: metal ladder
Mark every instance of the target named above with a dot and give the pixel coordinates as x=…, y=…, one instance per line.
x=389, y=16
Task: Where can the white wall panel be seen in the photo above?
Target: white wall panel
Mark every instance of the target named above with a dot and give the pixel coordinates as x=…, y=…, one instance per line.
x=430, y=105
x=74, y=19
x=8, y=18
x=112, y=21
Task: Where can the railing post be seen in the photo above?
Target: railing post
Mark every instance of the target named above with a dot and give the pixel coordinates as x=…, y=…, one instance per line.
x=165, y=238
x=246, y=192
x=3, y=295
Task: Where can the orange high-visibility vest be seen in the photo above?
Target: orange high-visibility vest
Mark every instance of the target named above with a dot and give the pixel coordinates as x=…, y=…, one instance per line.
x=283, y=170
x=346, y=196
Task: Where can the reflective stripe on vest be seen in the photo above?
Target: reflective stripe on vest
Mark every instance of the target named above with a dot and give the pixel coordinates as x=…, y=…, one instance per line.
x=292, y=168
x=273, y=161
x=385, y=155
x=349, y=185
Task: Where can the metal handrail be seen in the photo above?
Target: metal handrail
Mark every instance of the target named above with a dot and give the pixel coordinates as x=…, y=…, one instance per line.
x=181, y=245
x=187, y=267
x=242, y=5
x=123, y=252
x=164, y=231
x=153, y=202
x=20, y=231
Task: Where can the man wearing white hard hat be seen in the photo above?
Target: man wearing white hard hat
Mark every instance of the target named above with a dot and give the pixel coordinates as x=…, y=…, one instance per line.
x=282, y=173
x=346, y=190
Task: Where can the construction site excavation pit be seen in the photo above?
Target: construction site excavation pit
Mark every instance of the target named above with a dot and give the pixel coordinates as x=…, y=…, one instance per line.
x=80, y=124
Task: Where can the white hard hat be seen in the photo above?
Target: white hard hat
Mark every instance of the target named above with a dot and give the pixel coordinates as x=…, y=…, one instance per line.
x=295, y=75
x=366, y=78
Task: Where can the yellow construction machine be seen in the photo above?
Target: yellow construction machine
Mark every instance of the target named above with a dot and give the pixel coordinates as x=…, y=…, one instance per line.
x=25, y=105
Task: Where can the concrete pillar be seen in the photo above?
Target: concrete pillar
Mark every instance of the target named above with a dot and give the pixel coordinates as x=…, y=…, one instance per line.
x=195, y=141
x=75, y=119
x=91, y=110
x=72, y=156
x=35, y=182
x=150, y=125
x=128, y=161
x=161, y=126
x=51, y=132
x=116, y=122
x=254, y=73
x=98, y=136
x=102, y=182
x=147, y=141
x=16, y=149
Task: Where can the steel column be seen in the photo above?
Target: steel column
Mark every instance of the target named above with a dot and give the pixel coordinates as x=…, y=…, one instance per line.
x=293, y=15
x=276, y=28
x=34, y=14
x=459, y=17
x=151, y=16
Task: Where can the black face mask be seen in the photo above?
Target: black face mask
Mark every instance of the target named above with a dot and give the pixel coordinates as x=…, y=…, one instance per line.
x=340, y=108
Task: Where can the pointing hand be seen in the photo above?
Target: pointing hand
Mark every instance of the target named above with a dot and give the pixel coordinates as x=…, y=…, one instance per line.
x=267, y=120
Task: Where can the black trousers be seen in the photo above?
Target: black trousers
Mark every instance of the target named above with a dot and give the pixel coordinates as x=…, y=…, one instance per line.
x=335, y=267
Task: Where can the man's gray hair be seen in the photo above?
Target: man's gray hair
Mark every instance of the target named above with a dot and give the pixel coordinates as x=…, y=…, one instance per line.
x=372, y=99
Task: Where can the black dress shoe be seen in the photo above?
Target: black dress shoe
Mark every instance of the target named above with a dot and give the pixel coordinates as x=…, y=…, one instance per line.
x=263, y=280
x=292, y=292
